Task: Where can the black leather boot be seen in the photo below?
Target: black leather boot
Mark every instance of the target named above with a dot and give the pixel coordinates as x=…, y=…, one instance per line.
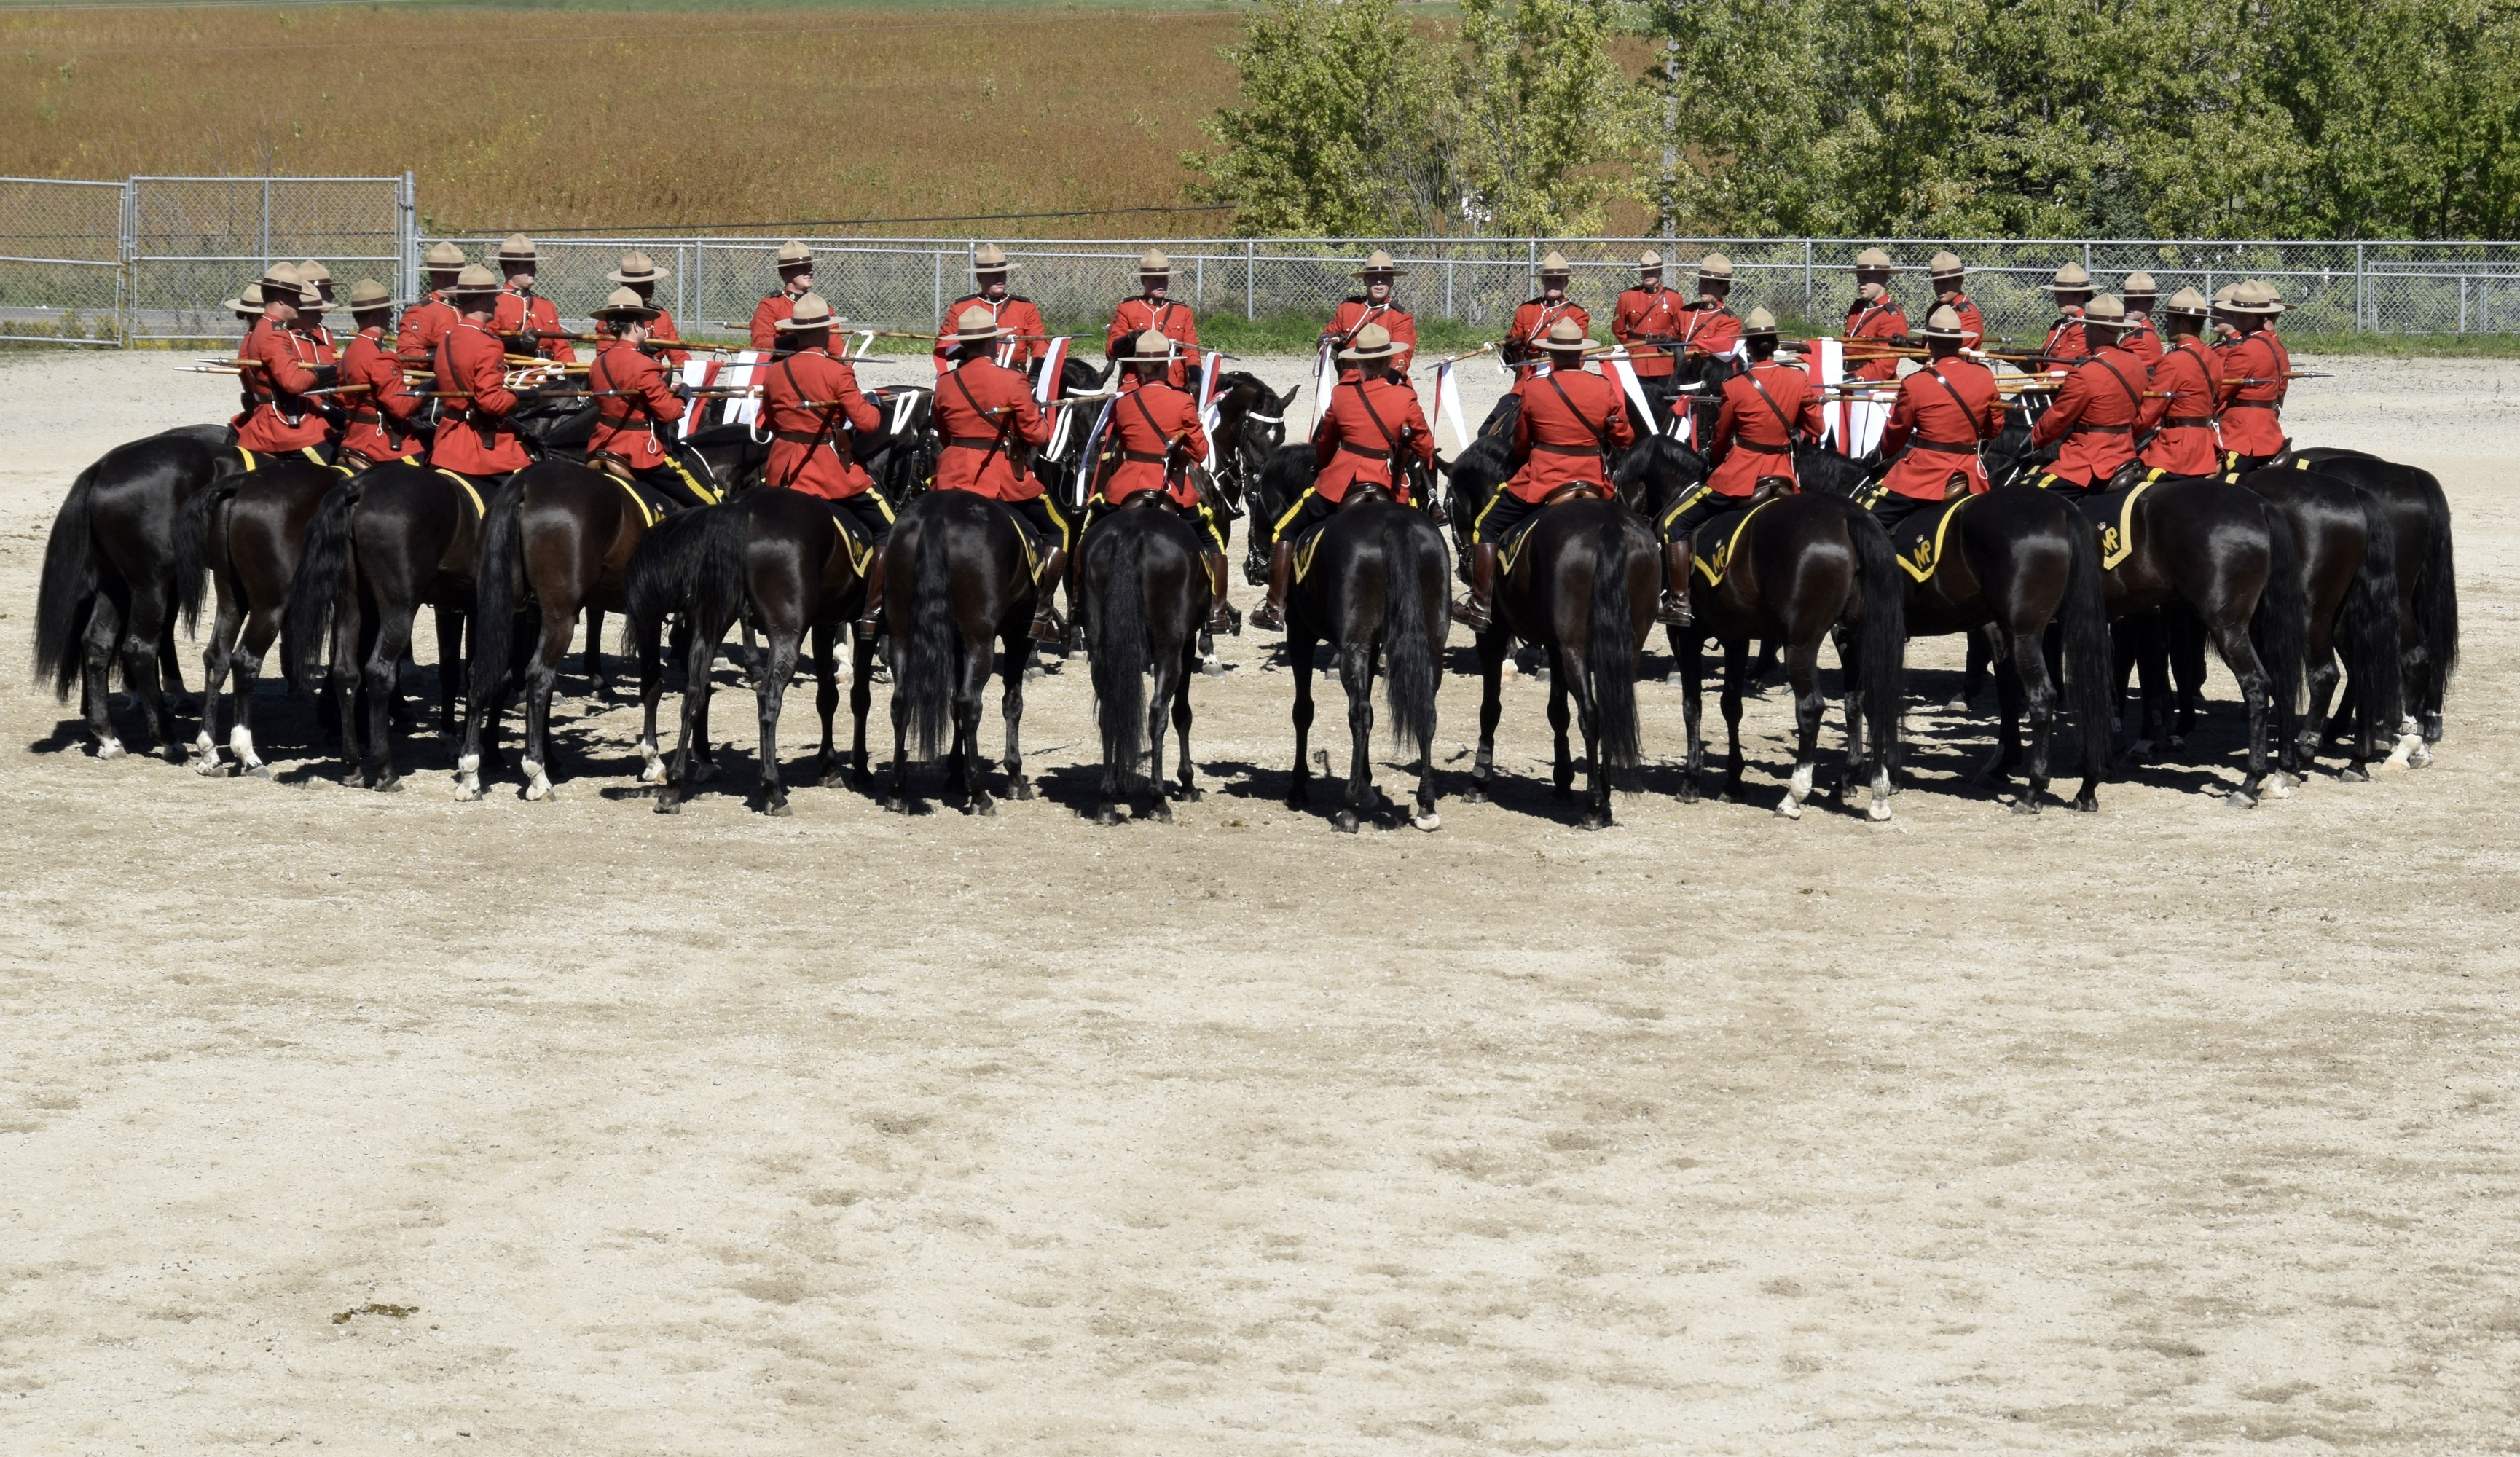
x=1272, y=613
x=1045, y=613
x=1220, y=615
x=1676, y=563
x=1476, y=612
x=869, y=621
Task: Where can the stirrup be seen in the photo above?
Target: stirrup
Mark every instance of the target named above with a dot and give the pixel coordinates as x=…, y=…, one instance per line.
x=1674, y=611
x=1472, y=614
x=1268, y=617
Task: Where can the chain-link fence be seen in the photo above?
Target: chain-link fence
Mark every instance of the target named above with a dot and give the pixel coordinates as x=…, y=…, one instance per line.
x=2329, y=288
x=60, y=260
x=153, y=257
x=192, y=242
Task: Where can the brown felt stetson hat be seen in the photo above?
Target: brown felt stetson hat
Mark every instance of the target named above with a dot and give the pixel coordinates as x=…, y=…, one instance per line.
x=624, y=304
x=2107, y=311
x=2253, y=296
x=988, y=258
x=443, y=257
x=1649, y=262
x=1760, y=325
x=814, y=311
x=518, y=249
x=636, y=268
x=2070, y=279
x=1554, y=265
x=1153, y=263
x=1874, y=261
x=368, y=297
x=2139, y=286
x=248, y=302
x=1153, y=346
x=1944, y=323
x=1566, y=337
x=313, y=272
x=281, y=280
x=1373, y=341
x=976, y=325
x=474, y=282
x=795, y=254
x=1379, y=261
x=1946, y=264
x=1716, y=268
x=2190, y=302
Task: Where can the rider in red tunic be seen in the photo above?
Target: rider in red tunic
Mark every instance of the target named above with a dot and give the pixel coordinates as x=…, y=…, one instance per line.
x=635, y=396
x=1153, y=312
x=277, y=365
x=2066, y=340
x=1570, y=423
x=2177, y=430
x=988, y=427
x=1528, y=335
x=1371, y=426
x=1945, y=412
x=2095, y=411
x=424, y=323
x=1949, y=276
x=1022, y=337
x=2142, y=339
x=640, y=275
x=811, y=402
x=1874, y=315
x=1650, y=321
x=2253, y=384
x=1374, y=307
x=1156, y=440
x=524, y=318
x=379, y=418
x=1767, y=408
x=796, y=280
x=473, y=438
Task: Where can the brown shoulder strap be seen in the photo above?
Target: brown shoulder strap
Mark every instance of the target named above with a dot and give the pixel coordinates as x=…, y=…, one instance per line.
x=1966, y=413
x=1752, y=375
x=2134, y=395
x=1367, y=400
x=1600, y=433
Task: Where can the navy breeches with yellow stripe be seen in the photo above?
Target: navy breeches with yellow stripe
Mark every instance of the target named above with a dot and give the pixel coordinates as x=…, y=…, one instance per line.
x=1045, y=519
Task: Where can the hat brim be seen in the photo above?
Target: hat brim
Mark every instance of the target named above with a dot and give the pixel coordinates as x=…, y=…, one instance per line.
x=2073, y=288
x=1379, y=273
x=1365, y=355
x=627, y=315
x=1008, y=266
x=792, y=326
x=375, y=307
x=637, y=278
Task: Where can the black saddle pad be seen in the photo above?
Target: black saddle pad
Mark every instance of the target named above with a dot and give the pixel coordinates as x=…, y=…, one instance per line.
x=657, y=502
x=1919, y=537
x=2104, y=508
x=1713, y=542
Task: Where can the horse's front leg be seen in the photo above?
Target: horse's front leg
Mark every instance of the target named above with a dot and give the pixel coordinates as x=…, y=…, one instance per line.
x=1014, y=648
x=1299, y=657
x=2038, y=695
x=768, y=695
x=598, y=682
x=651, y=689
x=1690, y=666
x=1561, y=770
x=1736, y=672
x=1493, y=645
x=1577, y=684
x=1802, y=675
x=1181, y=724
x=826, y=698
x=1356, y=675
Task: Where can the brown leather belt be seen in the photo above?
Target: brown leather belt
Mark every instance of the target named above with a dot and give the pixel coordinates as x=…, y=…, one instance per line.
x=972, y=442
x=1593, y=452
x=2253, y=404
x=2187, y=422
x=804, y=437
x=1756, y=449
x=1365, y=451
x=2104, y=429
x=1944, y=447
x=1143, y=458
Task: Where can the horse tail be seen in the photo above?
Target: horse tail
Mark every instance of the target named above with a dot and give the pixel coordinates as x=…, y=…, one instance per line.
x=1610, y=650
x=2281, y=624
x=192, y=546
x=2083, y=619
x=1120, y=649
x=692, y=563
x=1881, y=637
x=500, y=590
x=1409, y=662
x=2366, y=623
x=924, y=679
x=68, y=586
x=2437, y=598
x=326, y=567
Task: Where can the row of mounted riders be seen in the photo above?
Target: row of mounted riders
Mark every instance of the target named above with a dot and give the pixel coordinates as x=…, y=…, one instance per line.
x=2326, y=567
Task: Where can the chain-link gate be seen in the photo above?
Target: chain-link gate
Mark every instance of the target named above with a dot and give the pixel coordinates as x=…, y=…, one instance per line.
x=60, y=260
x=194, y=242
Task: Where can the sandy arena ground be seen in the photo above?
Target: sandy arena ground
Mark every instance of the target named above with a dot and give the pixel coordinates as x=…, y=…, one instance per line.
x=329, y=1117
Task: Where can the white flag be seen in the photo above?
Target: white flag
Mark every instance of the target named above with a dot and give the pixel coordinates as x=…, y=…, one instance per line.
x=1053, y=365
x=1626, y=373
x=1448, y=404
x=695, y=374
x=739, y=376
x=1325, y=381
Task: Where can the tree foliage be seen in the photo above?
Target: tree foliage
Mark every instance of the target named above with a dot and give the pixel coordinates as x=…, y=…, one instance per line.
x=1356, y=121
x=2202, y=117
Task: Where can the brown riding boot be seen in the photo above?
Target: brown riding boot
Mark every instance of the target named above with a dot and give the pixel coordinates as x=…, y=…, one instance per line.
x=1272, y=613
x=1045, y=613
x=1476, y=612
x=869, y=621
x=1220, y=617
x=1676, y=563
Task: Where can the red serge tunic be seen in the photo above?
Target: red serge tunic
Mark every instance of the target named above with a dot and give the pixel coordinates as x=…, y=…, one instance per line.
x=1650, y=316
x=288, y=359
x=626, y=425
x=1370, y=421
x=1146, y=424
x=979, y=447
x=516, y=311
x=1882, y=321
x=1942, y=428
x=1355, y=313
x=376, y=416
x=807, y=396
x=1014, y=312
x=2094, y=415
x=1135, y=316
x=2181, y=421
x=423, y=325
x=1566, y=418
x=473, y=438
x=1751, y=440
x=2251, y=414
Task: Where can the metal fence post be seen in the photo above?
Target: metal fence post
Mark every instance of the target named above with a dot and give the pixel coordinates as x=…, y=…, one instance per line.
x=1251, y=281
x=266, y=223
x=1198, y=286
x=1807, y=280
x=938, y=307
x=2363, y=318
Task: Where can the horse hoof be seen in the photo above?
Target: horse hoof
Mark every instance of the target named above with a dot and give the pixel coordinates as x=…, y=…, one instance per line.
x=1787, y=810
x=1430, y=821
x=1108, y=814
x=2278, y=786
x=1345, y=822
x=254, y=772
x=1214, y=667
x=894, y=806
x=1021, y=789
x=389, y=785
x=2087, y=804
x=1476, y=794
x=2240, y=800
x=1688, y=793
x=2421, y=758
x=1593, y=822
x=209, y=769
x=2354, y=774
x=2026, y=804
x=1162, y=813
x=174, y=753
x=777, y=809
x=1190, y=794
x=109, y=748
x=1299, y=803
x=983, y=805
x=467, y=790
x=1957, y=705
x=668, y=804
x=1878, y=812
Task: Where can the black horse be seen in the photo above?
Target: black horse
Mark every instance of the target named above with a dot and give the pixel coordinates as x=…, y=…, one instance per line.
x=110, y=595
x=1371, y=581
x=957, y=579
x=1146, y=593
x=1250, y=425
x=2004, y=565
x=384, y=543
x=776, y=558
x=1799, y=567
x=1581, y=586
x=246, y=532
x=2418, y=515
x=2349, y=573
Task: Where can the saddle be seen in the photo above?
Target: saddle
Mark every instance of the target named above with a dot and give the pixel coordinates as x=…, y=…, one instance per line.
x=651, y=501
x=1917, y=539
x=1715, y=539
x=1362, y=491
x=1575, y=490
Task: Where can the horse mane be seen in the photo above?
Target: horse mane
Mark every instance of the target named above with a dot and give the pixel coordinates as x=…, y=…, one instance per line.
x=1665, y=466
x=1831, y=472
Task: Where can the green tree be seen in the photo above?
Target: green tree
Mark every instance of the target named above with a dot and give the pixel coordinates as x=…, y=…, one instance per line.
x=1547, y=119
